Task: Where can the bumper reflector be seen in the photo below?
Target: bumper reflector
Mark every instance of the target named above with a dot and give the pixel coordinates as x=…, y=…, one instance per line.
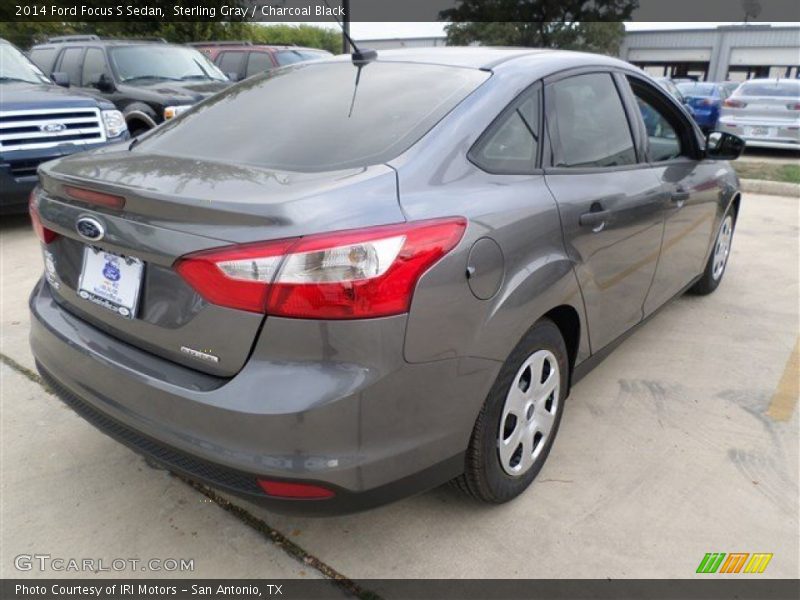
x=298, y=491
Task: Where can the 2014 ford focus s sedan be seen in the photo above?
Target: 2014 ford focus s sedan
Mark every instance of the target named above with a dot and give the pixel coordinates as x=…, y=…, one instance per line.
x=344, y=282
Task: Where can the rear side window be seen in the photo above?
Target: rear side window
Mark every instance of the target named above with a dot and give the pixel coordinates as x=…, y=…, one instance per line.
x=71, y=64
x=510, y=144
x=780, y=89
x=258, y=62
x=591, y=128
x=318, y=116
x=43, y=58
x=230, y=62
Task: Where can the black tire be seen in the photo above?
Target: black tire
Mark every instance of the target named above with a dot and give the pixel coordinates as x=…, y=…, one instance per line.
x=484, y=476
x=711, y=278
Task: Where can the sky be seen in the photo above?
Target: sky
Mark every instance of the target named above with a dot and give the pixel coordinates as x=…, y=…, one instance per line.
x=384, y=30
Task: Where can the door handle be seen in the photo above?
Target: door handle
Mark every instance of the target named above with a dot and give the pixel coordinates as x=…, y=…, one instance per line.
x=595, y=219
x=679, y=197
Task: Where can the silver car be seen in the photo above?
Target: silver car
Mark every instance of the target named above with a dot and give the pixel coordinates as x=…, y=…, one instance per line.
x=765, y=113
x=341, y=283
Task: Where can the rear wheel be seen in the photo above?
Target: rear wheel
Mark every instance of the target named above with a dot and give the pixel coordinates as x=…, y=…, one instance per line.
x=519, y=420
x=715, y=267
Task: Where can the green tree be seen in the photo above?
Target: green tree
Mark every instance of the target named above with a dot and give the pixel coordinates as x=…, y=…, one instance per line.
x=590, y=25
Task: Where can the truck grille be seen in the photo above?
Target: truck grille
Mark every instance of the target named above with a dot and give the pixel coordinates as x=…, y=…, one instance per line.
x=31, y=129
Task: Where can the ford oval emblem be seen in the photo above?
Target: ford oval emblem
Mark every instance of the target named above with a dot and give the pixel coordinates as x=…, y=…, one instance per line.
x=90, y=228
x=52, y=127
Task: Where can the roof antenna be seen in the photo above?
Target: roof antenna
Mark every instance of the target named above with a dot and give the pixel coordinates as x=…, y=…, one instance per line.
x=360, y=57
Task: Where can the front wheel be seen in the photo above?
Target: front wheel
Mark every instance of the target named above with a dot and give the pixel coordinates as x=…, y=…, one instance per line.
x=519, y=420
x=715, y=267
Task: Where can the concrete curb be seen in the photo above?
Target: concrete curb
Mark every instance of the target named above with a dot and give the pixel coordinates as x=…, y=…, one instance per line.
x=775, y=188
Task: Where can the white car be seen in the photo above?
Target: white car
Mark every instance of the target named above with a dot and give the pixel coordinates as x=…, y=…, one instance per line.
x=765, y=113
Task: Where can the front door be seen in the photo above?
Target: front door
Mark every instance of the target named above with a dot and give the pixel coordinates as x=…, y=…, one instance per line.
x=611, y=205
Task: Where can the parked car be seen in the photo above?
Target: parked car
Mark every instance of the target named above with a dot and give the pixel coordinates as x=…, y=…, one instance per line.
x=148, y=81
x=324, y=292
x=673, y=90
x=730, y=86
x=240, y=60
x=40, y=121
x=765, y=112
x=706, y=99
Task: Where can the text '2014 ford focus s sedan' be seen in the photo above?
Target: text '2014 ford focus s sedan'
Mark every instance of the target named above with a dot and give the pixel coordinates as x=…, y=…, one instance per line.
x=343, y=282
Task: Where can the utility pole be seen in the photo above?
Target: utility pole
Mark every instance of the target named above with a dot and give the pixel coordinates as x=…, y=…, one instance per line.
x=345, y=27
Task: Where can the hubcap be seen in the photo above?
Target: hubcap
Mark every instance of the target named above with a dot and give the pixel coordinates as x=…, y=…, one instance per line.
x=529, y=412
x=723, y=247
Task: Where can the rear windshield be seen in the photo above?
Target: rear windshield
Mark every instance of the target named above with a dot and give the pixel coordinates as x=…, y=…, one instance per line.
x=779, y=89
x=313, y=117
x=696, y=89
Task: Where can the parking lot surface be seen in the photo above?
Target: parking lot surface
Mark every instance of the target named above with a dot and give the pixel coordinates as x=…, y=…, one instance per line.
x=684, y=441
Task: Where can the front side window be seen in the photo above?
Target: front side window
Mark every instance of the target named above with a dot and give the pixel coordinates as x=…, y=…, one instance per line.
x=258, y=62
x=160, y=61
x=230, y=62
x=591, y=128
x=71, y=64
x=94, y=65
x=662, y=134
x=510, y=144
x=318, y=116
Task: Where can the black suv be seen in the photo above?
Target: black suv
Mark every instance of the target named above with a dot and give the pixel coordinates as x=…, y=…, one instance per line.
x=148, y=81
x=40, y=121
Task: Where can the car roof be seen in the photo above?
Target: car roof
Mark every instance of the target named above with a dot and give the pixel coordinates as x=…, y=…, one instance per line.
x=105, y=42
x=490, y=57
x=246, y=46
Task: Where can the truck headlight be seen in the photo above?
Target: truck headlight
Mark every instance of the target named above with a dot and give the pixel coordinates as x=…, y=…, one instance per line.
x=170, y=112
x=114, y=123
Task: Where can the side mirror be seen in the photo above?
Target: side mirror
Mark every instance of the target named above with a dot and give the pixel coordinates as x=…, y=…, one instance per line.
x=60, y=78
x=233, y=76
x=105, y=83
x=724, y=146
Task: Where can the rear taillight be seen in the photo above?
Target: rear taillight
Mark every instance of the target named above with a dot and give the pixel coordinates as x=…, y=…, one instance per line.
x=44, y=234
x=344, y=275
x=793, y=106
x=734, y=103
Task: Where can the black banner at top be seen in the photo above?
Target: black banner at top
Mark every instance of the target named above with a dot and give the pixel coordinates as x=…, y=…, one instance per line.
x=278, y=11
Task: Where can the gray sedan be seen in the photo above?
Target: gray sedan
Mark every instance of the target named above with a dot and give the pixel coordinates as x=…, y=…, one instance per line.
x=348, y=281
x=765, y=113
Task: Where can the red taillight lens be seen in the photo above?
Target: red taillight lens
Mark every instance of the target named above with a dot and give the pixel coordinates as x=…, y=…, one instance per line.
x=297, y=491
x=96, y=198
x=793, y=106
x=236, y=277
x=344, y=275
x=734, y=103
x=44, y=234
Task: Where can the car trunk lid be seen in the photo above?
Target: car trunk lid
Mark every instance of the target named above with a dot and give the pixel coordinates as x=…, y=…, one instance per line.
x=176, y=206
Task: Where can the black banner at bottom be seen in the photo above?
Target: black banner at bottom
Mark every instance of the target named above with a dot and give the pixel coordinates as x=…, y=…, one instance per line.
x=413, y=589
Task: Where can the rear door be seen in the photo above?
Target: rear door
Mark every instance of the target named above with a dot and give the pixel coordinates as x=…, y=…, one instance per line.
x=689, y=187
x=611, y=206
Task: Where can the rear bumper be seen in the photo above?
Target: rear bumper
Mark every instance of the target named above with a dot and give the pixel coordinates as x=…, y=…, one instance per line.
x=371, y=428
x=786, y=135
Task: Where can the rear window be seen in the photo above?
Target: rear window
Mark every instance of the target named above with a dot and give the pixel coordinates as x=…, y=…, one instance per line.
x=313, y=117
x=779, y=89
x=697, y=89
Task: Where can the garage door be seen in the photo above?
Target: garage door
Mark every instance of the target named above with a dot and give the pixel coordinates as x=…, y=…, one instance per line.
x=765, y=56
